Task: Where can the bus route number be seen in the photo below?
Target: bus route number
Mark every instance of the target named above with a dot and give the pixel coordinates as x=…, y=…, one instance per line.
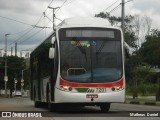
x=96, y=90
x=100, y=90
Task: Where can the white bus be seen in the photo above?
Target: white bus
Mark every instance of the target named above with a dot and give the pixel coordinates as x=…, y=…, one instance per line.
x=80, y=64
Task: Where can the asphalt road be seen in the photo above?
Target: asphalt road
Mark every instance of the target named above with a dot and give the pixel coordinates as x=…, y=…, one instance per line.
x=118, y=111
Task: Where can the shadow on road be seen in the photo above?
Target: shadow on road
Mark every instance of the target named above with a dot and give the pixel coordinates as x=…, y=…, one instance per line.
x=87, y=111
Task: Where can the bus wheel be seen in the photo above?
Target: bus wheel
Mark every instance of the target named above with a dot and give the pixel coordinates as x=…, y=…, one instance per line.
x=37, y=104
x=105, y=107
x=50, y=107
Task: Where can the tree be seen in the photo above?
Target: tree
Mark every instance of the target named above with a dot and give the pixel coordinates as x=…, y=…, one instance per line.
x=150, y=53
x=150, y=50
x=141, y=26
x=129, y=35
x=14, y=70
x=140, y=74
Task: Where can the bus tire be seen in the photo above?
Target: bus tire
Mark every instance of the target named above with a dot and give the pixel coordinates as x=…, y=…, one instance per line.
x=50, y=107
x=105, y=107
x=37, y=104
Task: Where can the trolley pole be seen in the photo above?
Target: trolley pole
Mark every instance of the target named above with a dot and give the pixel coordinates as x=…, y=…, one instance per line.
x=53, y=14
x=123, y=15
x=5, y=76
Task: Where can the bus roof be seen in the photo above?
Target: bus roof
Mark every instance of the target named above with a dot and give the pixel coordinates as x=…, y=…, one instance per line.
x=85, y=22
x=82, y=22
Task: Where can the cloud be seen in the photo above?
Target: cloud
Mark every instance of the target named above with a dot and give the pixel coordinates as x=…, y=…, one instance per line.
x=30, y=7
x=145, y=5
x=30, y=11
x=149, y=8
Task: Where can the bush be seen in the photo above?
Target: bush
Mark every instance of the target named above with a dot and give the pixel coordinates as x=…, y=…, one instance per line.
x=147, y=89
x=142, y=89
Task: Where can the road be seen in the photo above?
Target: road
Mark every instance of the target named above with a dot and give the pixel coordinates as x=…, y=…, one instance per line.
x=80, y=113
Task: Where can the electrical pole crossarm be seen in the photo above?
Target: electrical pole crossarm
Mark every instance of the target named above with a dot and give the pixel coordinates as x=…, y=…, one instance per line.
x=53, y=14
x=39, y=26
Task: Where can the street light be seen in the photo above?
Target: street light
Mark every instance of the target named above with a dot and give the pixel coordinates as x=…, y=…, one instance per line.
x=5, y=76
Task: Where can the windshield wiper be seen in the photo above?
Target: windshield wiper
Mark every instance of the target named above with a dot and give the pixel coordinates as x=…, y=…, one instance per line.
x=101, y=47
x=80, y=47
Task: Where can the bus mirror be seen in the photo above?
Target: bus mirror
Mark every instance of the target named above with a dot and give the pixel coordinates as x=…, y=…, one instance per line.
x=126, y=53
x=53, y=40
x=51, y=53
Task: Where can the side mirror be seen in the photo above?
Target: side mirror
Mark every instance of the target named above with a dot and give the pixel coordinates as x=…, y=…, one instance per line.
x=127, y=53
x=51, y=53
x=53, y=40
x=127, y=50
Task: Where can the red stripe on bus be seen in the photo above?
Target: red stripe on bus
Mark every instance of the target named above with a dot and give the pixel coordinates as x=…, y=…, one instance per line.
x=74, y=84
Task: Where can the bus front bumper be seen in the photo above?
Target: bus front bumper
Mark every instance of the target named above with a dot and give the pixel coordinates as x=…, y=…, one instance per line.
x=68, y=97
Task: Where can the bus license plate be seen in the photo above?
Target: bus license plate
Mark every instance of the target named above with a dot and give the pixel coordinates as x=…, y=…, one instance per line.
x=92, y=96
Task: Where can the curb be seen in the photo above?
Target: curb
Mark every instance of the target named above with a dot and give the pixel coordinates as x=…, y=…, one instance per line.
x=143, y=103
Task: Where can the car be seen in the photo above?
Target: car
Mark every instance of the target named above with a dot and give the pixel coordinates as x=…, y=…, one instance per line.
x=18, y=93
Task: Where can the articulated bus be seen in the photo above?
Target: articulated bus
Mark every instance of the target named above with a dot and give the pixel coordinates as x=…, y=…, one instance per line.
x=80, y=64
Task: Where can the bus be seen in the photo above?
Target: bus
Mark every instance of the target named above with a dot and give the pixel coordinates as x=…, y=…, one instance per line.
x=81, y=63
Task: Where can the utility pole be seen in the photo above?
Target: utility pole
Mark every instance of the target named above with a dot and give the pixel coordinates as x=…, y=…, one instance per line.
x=15, y=48
x=44, y=22
x=123, y=15
x=1, y=52
x=53, y=14
x=22, y=83
x=11, y=50
x=21, y=54
x=5, y=76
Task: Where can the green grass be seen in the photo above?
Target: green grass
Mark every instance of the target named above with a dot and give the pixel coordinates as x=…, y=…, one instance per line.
x=139, y=94
x=140, y=100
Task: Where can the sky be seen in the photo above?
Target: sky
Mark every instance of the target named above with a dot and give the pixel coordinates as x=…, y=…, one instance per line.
x=25, y=13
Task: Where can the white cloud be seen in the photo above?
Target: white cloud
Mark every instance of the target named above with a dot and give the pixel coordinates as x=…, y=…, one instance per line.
x=30, y=11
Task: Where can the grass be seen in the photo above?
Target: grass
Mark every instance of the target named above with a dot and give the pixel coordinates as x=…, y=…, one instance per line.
x=139, y=94
x=140, y=100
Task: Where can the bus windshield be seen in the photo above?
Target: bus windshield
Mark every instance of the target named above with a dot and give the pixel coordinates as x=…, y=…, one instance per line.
x=90, y=55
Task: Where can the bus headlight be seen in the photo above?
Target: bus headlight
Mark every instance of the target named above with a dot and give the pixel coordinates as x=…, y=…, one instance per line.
x=116, y=88
x=66, y=88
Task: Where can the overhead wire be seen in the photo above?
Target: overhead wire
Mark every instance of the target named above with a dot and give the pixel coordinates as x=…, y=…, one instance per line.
x=110, y=5
x=30, y=36
x=15, y=20
x=30, y=49
x=44, y=11
x=61, y=6
x=33, y=26
x=33, y=34
x=114, y=9
x=69, y=3
x=20, y=31
x=22, y=36
x=57, y=11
